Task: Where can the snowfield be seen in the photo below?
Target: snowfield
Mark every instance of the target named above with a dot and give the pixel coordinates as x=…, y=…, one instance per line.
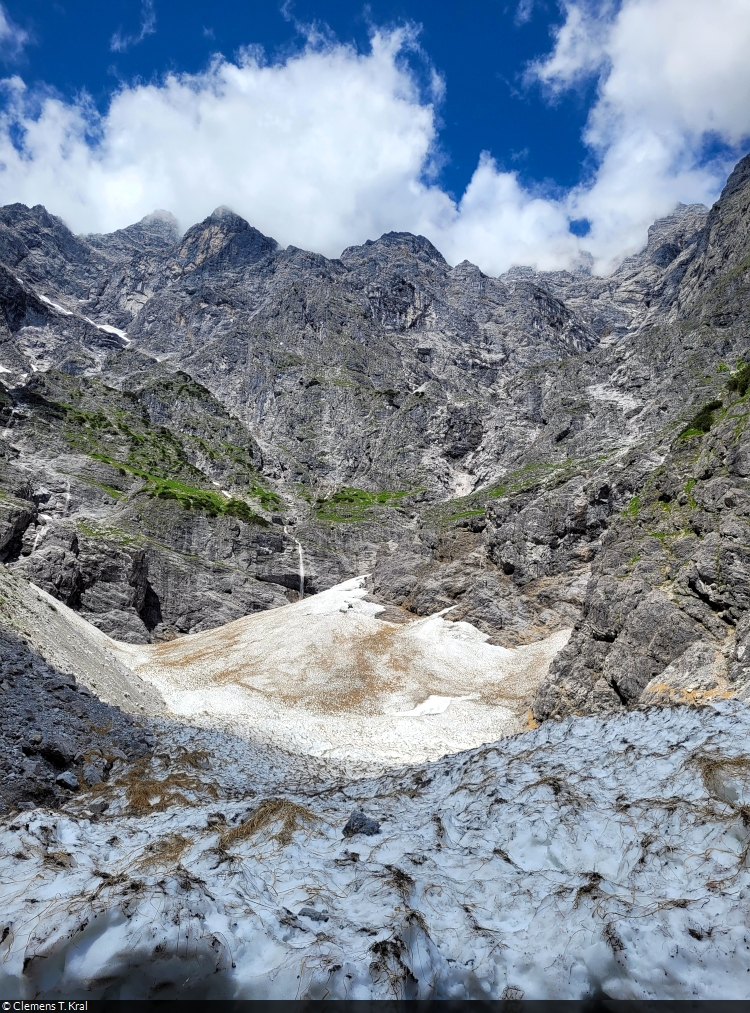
x=589, y=857
x=323, y=677
x=326, y=677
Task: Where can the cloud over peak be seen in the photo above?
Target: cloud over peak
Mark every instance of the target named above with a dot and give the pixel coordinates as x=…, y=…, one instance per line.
x=331, y=146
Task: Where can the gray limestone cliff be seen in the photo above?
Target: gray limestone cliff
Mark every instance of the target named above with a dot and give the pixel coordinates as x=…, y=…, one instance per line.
x=181, y=415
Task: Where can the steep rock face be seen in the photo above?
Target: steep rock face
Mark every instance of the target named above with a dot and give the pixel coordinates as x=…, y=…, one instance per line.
x=672, y=578
x=673, y=572
x=642, y=286
x=210, y=415
x=715, y=286
x=357, y=370
x=102, y=510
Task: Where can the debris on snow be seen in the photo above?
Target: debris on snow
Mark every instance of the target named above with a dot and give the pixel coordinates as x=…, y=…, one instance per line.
x=591, y=857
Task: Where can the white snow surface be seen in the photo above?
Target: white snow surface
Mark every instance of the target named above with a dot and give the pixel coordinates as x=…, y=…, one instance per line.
x=55, y=305
x=325, y=677
x=109, y=329
x=588, y=857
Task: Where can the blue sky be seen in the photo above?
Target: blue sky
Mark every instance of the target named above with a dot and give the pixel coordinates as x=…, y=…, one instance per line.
x=481, y=53
x=503, y=130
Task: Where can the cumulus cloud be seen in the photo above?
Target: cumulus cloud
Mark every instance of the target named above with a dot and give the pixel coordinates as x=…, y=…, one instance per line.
x=580, y=45
x=674, y=82
x=326, y=148
x=331, y=146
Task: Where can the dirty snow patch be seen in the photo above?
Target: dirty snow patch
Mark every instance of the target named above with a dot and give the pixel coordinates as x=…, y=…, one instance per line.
x=592, y=857
x=326, y=677
x=56, y=306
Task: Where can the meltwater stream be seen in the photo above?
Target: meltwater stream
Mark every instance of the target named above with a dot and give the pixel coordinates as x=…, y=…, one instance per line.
x=41, y=531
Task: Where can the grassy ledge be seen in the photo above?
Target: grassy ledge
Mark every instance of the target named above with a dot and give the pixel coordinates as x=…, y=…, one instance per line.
x=189, y=497
x=351, y=504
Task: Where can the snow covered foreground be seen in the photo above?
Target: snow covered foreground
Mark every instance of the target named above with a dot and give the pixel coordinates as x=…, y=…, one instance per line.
x=584, y=857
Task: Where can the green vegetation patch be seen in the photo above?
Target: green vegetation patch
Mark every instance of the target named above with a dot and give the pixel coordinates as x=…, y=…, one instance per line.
x=700, y=424
x=631, y=510
x=688, y=492
x=739, y=381
x=88, y=529
x=524, y=478
x=147, y=451
x=212, y=503
x=96, y=529
x=116, y=427
x=350, y=504
x=109, y=489
x=189, y=497
x=662, y=536
x=547, y=475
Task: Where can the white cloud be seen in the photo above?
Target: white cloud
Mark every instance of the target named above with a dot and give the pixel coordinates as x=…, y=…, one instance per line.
x=331, y=147
x=324, y=149
x=580, y=45
x=119, y=43
x=12, y=38
x=524, y=12
x=674, y=77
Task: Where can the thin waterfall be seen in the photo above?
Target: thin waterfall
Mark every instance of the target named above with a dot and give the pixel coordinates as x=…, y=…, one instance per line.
x=301, y=569
x=42, y=531
x=301, y=557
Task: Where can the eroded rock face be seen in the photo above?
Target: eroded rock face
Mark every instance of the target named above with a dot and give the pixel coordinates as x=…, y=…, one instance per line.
x=55, y=735
x=196, y=427
x=672, y=578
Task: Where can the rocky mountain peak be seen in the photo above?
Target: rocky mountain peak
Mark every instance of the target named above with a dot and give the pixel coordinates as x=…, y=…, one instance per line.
x=161, y=221
x=467, y=439
x=20, y=216
x=396, y=245
x=154, y=235
x=223, y=211
x=716, y=279
x=668, y=236
x=738, y=179
x=461, y=506
x=218, y=231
